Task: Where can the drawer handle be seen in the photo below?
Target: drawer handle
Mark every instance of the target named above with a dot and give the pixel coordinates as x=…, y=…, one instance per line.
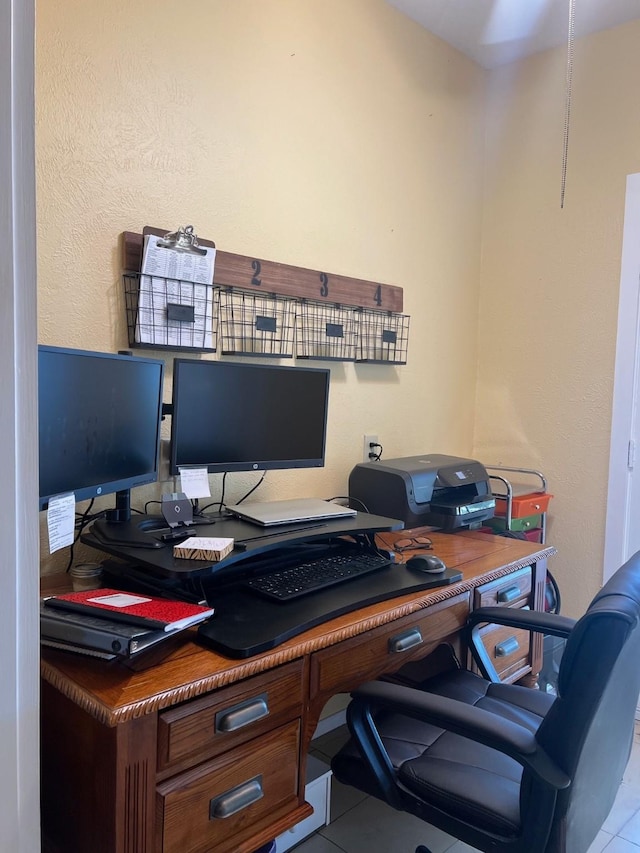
x=238, y=798
x=509, y=594
x=507, y=647
x=232, y=719
x=405, y=641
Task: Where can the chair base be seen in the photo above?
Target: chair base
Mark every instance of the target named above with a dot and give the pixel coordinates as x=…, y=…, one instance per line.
x=422, y=849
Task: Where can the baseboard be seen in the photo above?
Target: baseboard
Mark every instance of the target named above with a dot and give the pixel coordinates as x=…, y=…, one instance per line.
x=328, y=724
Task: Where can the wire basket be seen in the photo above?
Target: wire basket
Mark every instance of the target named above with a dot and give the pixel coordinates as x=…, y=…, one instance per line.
x=164, y=312
x=256, y=324
x=326, y=332
x=383, y=337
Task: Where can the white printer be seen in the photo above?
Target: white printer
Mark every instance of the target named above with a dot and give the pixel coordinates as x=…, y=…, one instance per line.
x=447, y=492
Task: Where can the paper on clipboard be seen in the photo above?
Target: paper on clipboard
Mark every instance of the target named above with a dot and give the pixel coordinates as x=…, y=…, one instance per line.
x=175, y=277
x=167, y=262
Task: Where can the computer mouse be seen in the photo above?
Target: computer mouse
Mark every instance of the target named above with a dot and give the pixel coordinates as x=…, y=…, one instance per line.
x=428, y=563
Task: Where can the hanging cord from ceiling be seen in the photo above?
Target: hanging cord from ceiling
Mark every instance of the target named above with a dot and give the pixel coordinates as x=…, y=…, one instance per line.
x=567, y=114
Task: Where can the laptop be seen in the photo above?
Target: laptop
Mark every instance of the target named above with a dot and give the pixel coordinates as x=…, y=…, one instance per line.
x=288, y=512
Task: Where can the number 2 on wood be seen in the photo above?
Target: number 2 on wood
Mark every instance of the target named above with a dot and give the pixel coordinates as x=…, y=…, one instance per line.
x=256, y=267
x=324, y=281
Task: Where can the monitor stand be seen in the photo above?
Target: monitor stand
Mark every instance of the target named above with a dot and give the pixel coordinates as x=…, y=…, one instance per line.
x=126, y=533
x=117, y=527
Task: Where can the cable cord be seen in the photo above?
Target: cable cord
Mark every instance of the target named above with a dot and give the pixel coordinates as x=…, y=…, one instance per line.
x=349, y=499
x=373, y=456
x=219, y=503
x=80, y=523
x=252, y=490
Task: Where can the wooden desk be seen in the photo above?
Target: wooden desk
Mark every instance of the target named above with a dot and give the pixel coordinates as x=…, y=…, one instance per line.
x=136, y=762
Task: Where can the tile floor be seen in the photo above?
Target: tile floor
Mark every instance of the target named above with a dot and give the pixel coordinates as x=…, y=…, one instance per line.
x=360, y=824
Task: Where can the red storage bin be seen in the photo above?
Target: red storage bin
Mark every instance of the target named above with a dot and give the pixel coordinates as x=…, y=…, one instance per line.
x=522, y=505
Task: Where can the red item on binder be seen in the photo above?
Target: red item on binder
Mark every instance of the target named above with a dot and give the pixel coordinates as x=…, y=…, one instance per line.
x=133, y=608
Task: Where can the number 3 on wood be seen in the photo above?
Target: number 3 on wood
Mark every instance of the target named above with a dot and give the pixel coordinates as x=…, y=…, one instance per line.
x=324, y=281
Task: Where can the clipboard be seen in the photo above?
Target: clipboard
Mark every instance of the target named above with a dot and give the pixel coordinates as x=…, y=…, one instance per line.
x=177, y=255
x=183, y=239
x=175, y=290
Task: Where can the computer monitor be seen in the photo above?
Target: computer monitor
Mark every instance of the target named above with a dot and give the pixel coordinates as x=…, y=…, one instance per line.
x=99, y=427
x=229, y=416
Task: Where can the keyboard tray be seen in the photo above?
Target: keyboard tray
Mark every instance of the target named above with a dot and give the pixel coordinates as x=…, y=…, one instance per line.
x=245, y=625
x=314, y=575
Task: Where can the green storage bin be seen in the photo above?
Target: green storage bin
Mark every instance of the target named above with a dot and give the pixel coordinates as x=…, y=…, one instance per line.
x=527, y=522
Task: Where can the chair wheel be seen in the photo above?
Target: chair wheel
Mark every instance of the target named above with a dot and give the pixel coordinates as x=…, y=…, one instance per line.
x=422, y=849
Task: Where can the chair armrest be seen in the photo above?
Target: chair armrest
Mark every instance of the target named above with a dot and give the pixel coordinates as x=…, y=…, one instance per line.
x=454, y=716
x=532, y=620
x=513, y=617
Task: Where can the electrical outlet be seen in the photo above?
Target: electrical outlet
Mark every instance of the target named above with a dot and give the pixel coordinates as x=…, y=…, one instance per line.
x=367, y=449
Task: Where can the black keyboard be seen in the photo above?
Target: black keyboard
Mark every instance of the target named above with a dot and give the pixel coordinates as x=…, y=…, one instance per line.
x=314, y=575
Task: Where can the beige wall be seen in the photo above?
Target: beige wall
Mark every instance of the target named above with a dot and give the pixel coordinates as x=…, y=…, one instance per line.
x=331, y=134
x=338, y=135
x=550, y=282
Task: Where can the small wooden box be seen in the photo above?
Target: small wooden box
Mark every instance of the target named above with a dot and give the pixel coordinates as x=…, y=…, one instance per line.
x=203, y=548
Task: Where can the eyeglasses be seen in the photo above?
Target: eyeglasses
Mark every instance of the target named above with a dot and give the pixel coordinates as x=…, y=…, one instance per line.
x=417, y=543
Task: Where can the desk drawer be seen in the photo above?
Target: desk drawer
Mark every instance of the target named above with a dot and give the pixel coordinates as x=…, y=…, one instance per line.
x=519, y=525
x=523, y=505
x=224, y=802
x=387, y=648
x=229, y=717
x=508, y=649
x=511, y=591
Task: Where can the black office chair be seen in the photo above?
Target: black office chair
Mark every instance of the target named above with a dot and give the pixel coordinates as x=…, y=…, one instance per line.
x=503, y=767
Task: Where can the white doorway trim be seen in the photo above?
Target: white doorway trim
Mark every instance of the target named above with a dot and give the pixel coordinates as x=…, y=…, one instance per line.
x=19, y=561
x=624, y=388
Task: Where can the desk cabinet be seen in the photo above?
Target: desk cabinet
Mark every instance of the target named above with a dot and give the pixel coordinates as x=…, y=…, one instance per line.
x=510, y=650
x=223, y=802
x=208, y=774
x=254, y=771
x=203, y=754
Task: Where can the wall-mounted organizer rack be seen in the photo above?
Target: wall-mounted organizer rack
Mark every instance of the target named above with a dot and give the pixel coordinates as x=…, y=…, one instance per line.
x=264, y=308
x=164, y=312
x=325, y=331
x=170, y=301
x=341, y=333
x=382, y=338
x=523, y=512
x=255, y=323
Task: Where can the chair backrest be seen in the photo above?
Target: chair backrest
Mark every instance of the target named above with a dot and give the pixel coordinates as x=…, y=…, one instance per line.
x=589, y=729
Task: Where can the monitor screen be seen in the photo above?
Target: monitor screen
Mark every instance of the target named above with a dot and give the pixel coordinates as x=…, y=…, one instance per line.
x=241, y=417
x=99, y=422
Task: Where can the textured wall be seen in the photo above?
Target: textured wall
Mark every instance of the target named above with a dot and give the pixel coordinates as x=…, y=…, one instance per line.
x=331, y=134
x=550, y=282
